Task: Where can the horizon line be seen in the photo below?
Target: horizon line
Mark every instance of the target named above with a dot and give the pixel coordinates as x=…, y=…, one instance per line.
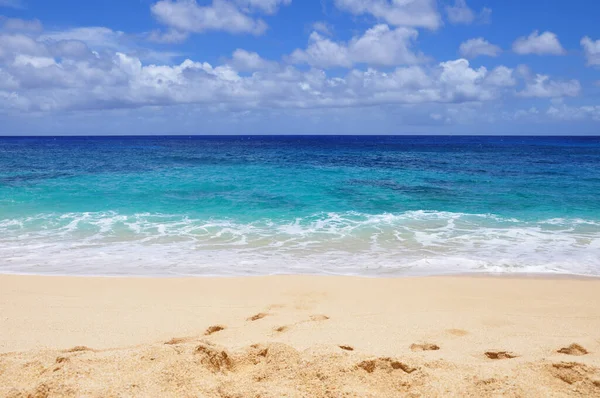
x=292, y=135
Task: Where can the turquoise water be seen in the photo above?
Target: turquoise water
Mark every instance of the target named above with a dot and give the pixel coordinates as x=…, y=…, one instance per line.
x=375, y=206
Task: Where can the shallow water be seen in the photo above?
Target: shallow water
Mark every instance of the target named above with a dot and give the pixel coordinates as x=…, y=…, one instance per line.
x=376, y=206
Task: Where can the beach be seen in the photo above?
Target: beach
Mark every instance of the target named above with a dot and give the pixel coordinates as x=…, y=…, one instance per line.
x=295, y=336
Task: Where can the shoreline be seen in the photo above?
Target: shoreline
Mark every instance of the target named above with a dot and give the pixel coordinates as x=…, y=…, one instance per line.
x=498, y=334
x=466, y=274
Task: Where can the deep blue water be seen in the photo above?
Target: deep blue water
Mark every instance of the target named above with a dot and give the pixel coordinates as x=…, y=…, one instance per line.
x=367, y=205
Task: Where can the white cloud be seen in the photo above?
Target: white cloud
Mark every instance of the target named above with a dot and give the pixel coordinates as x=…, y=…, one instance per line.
x=460, y=12
x=322, y=27
x=540, y=44
x=20, y=25
x=12, y=44
x=523, y=71
x=525, y=113
x=380, y=45
x=43, y=73
x=101, y=39
x=571, y=113
x=322, y=52
x=542, y=86
x=501, y=76
x=243, y=60
x=36, y=62
x=97, y=37
x=479, y=46
x=266, y=6
x=418, y=13
x=591, y=49
x=187, y=16
x=170, y=36
x=470, y=84
x=39, y=80
x=70, y=49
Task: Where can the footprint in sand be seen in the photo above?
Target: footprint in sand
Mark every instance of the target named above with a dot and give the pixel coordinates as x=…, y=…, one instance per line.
x=257, y=317
x=386, y=364
x=573, y=349
x=500, y=355
x=79, y=348
x=214, y=358
x=214, y=329
x=457, y=332
x=571, y=373
x=313, y=318
x=178, y=340
x=424, y=347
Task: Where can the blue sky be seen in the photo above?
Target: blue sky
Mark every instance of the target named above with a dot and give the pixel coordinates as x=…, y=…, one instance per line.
x=299, y=67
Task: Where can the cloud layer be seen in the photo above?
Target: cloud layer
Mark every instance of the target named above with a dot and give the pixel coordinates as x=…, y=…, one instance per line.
x=376, y=66
x=54, y=72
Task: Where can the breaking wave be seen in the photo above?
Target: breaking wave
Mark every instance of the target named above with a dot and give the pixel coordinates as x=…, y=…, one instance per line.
x=349, y=243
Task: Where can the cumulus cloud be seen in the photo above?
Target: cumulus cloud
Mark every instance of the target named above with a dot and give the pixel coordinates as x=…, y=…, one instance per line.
x=542, y=86
x=379, y=45
x=243, y=60
x=461, y=13
x=591, y=49
x=68, y=75
x=474, y=84
x=475, y=47
x=541, y=44
x=54, y=72
x=183, y=17
x=188, y=16
x=323, y=52
x=417, y=13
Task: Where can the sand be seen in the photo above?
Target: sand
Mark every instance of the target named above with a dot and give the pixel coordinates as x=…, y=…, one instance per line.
x=297, y=336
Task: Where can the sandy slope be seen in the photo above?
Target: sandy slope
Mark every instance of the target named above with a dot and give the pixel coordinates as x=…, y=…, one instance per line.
x=299, y=336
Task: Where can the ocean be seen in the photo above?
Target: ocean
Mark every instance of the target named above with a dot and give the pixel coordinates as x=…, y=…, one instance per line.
x=256, y=205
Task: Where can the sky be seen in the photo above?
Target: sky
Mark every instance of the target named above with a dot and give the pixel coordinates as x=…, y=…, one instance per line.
x=128, y=67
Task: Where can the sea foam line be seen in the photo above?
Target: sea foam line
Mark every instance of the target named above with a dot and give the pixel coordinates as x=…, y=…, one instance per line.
x=417, y=242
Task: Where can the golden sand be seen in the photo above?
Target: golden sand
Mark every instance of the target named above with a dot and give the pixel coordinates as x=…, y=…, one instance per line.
x=299, y=337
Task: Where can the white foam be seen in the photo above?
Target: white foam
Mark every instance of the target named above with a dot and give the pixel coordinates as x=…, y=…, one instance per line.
x=417, y=242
